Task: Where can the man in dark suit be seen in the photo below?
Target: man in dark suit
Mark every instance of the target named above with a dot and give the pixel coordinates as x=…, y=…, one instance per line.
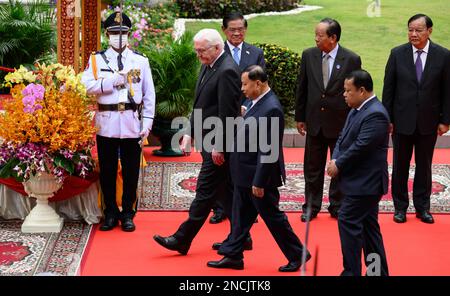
x=321, y=110
x=416, y=94
x=234, y=26
x=359, y=163
x=217, y=97
x=257, y=174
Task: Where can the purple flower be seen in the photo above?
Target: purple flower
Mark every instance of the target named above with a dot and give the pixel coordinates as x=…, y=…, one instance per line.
x=32, y=93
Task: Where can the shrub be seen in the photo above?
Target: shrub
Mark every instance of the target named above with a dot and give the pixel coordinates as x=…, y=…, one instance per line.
x=150, y=24
x=282, y=66
x=218, y=8
x=28, y=32
x=174, y=69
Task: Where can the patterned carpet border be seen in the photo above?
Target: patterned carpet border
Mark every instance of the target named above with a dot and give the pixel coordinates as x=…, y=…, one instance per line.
x=26, y=254
x=170, y=186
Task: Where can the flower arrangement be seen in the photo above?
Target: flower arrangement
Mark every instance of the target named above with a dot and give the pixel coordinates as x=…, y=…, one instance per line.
x=47, y=125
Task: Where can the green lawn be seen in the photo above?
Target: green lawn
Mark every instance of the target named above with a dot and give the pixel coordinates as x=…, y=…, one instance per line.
x=371, y=38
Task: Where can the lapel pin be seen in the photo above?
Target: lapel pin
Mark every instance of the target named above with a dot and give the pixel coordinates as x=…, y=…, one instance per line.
x=247, y=52
x=338, y=67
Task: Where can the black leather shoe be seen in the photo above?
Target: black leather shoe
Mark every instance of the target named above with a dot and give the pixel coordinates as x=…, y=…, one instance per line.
x=334, y=214
x=400, y=217
x=109, y=223
x=227, y=262
x=128, y=224
x=248, y=245
x=304, y=218
x=293, y=265
x=425, y=217
x=171, y=243
x=217, y=218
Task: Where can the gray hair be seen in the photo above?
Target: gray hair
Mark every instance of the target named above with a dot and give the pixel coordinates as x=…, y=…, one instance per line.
x=212, y=36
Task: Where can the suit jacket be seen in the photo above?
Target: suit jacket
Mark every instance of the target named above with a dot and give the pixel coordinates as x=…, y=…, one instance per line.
x=412, y=104
x=248, y=168
x=323, y=108
x=250, y=55
x=361, y=151
x=217, y=94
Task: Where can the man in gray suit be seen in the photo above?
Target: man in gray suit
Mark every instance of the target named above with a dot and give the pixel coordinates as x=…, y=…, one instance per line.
x=416, y=94
x=321, y=110
x=217, y=96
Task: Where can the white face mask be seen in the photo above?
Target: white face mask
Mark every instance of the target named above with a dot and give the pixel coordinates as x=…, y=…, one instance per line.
x=115, y=42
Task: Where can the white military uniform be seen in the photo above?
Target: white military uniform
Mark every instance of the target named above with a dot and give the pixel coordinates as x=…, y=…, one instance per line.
x=121, y=124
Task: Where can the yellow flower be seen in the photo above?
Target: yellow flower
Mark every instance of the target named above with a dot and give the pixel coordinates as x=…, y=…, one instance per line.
x=63, y=122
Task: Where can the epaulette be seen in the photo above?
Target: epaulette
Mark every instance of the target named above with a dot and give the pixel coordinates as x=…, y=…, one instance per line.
x=141, y=54
x=99, y=52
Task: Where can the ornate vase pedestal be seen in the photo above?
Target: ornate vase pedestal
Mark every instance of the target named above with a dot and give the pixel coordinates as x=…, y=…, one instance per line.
x=42, y=217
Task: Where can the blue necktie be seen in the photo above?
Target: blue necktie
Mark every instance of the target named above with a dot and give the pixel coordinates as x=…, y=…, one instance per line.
x=351, y=115
x=419, y=67
x=236, y=55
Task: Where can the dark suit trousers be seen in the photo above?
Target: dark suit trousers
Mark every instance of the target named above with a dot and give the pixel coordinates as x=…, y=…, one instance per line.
x=108, y=155
x=211, y=185
x=315, y=159
x=359, y=230
x=245, y=209
x=403, y=148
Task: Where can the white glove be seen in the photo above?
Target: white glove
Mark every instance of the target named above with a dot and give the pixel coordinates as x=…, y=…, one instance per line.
x=144, y=133
x=119, y=79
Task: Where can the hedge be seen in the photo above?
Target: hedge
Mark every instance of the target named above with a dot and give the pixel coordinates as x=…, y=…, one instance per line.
x=219, y=8
x=282, y=66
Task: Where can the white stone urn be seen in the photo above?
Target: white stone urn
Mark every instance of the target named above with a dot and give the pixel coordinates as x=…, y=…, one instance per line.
x=42, y=217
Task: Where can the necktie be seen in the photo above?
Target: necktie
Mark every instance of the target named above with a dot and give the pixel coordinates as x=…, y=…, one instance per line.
x=419, y=67
x=119, y=62
x=236, y=55
x=205, y=73
x=351, y=115
x=325, y=70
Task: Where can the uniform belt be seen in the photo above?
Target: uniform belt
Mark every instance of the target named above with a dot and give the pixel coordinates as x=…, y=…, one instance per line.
x=115, y=107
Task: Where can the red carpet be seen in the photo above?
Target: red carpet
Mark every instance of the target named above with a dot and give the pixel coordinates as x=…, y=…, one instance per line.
x=413, y=248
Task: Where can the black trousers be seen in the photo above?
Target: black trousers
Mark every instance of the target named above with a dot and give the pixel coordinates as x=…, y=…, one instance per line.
x=211, y=185
x=316, y=148
x=359, y=230
x=109, y=150
x=423, y=146
x=245, y=210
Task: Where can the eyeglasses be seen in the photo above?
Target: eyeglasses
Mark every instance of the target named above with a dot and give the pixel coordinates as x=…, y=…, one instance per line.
x=203, y=50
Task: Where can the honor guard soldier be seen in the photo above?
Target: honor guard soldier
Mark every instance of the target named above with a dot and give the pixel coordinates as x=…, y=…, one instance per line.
x=122, y=82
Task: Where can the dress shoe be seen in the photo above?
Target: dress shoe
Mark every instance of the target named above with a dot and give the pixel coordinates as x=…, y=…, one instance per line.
x=425, y=217
x=217, y=218
x=334, y=214
x=171, y=243
x=293, y=265
x=400, y=217
x=248, y=245
x=109, y=223
x=304, y=217
x=227, y=262
x=128, y=224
